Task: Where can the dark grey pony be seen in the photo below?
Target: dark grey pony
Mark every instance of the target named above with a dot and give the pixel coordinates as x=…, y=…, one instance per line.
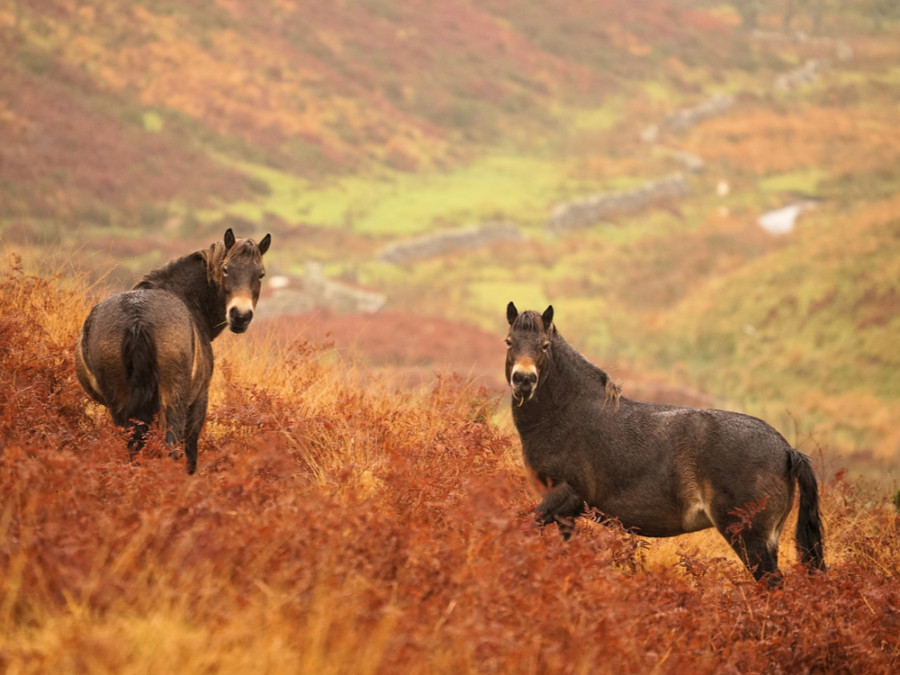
x=661, y=470
x=147, y=352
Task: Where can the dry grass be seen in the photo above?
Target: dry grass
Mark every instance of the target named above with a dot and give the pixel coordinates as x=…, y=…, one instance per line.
x=339, y=522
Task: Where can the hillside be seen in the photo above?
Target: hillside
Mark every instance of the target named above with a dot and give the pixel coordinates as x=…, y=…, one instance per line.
x=152, y=106
x=132, y=132
x=360, y=504
x=343, y=523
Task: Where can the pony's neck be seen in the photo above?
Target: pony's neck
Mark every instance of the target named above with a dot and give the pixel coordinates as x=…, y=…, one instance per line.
x=187, y=279
x=578, y=370
x=571, y=375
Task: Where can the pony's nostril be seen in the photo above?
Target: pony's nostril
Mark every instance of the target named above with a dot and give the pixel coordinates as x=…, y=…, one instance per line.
x=237, y=315
x=238, y=320
x=523, y=378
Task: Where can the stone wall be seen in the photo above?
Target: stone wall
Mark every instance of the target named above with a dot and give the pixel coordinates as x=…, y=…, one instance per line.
x=441, y=243
x=841, y=50
x=811, y=68
x=805, y=74
x=591, y=210
x=685, y=118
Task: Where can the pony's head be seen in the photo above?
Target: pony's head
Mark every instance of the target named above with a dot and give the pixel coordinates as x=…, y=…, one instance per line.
x=528, y=350
x=236, y=267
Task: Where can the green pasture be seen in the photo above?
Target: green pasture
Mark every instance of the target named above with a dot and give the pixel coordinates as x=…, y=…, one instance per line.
x=805, y=182
x=391, y=204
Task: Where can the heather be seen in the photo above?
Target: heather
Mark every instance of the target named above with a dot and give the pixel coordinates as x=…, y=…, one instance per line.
x=341, y=522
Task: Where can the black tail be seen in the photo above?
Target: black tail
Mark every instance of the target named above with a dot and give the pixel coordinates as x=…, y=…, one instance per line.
x=139, y=358
x=810, y=537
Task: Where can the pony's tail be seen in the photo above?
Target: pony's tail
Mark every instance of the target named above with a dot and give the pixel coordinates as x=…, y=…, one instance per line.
x=139, y=359
x=810, y=536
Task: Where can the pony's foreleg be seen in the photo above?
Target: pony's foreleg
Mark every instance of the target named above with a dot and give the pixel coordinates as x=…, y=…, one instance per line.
x=561, y=505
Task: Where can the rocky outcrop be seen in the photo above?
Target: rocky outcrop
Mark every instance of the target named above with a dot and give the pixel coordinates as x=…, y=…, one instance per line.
x=591, y=210
x=441, y=243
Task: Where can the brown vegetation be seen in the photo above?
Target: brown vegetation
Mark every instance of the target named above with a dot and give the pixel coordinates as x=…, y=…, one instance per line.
x=338, y=525
x=393, y=338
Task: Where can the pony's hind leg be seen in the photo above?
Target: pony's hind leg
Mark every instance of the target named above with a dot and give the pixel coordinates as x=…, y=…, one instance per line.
x=762, y=561
x=174, y=421
x=196, y=418
x=758, y=553
x=137, y=430
x=752, y=528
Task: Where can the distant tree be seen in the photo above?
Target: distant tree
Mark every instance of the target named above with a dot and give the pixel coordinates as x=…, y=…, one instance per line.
x=790, y=11
x=818, y=9
x=18, y=17
x=749, y=11
x=882, y=11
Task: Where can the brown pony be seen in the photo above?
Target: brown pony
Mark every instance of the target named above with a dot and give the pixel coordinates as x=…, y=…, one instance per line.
x=147, y=352
x=661, y=470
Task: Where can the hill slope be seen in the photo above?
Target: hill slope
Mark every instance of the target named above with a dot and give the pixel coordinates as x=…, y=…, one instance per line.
x=138, y=105
x=132, y=132
x=342, y=525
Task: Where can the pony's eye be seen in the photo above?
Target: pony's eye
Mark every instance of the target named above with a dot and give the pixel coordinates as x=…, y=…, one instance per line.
x=508, y=342
x=262, y=274
x=225, y=270
x=545, y=346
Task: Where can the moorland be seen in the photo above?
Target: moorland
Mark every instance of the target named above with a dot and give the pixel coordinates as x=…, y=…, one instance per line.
x=360, y=504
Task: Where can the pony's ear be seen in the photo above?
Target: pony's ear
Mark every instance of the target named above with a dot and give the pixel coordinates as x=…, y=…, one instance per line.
x=264, y=244
x=547, y=316
x=229, y=239
x=511, y=313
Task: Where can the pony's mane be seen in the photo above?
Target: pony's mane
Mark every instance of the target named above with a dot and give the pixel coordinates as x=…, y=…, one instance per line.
x=216, y=257
x=613, y=392
x=530, y=321
x=162, y=277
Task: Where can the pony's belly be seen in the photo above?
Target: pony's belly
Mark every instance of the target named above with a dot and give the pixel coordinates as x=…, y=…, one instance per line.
x=657, y=529
x=658, y=519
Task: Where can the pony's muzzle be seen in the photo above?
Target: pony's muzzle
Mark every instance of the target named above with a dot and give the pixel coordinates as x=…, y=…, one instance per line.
x=523, y=382
x=240, y=314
